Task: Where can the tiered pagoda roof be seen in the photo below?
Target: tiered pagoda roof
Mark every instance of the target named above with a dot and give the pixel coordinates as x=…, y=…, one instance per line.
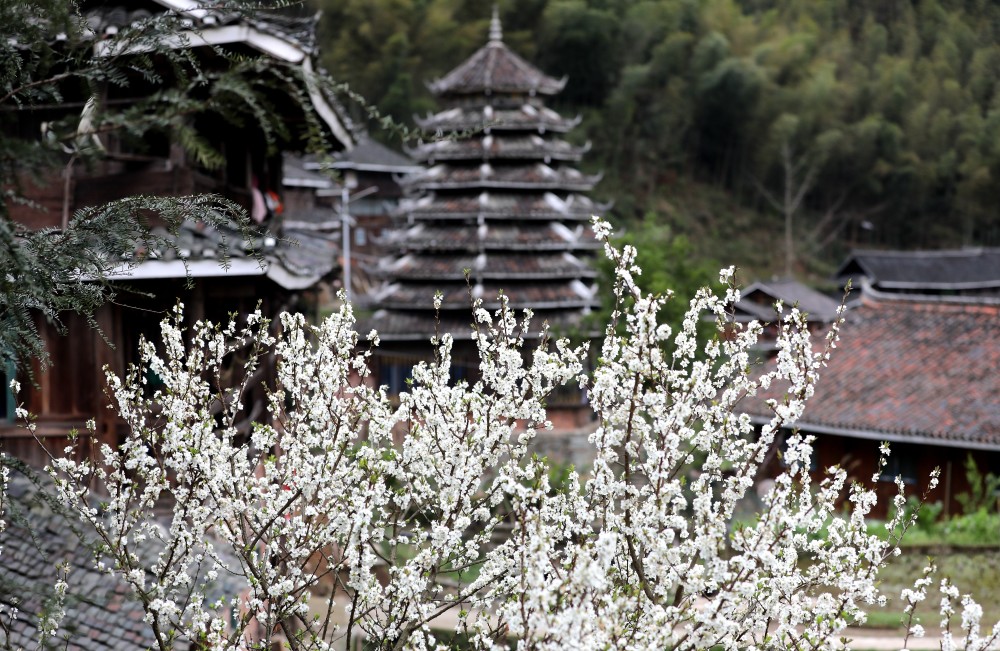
x=495, y=69
x=534, y=176
x=489, y=146
x=490, y=265
x=537, y=296
x=496, y=236
x=497, y=206
x=526, y=116
x=491, y=205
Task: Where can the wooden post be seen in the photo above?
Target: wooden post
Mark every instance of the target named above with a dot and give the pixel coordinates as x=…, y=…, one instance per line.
x=947, y=489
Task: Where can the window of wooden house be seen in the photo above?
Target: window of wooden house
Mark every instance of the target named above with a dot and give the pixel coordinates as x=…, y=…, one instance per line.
x=9, y=404
x=368, y=207
x=901, y=463
x=464, y=370
x=139, y=324
x=394, y=373
x=783, y=445
x=139, y=148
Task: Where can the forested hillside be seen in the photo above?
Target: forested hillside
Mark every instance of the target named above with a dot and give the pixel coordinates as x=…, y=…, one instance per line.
x=849, y=122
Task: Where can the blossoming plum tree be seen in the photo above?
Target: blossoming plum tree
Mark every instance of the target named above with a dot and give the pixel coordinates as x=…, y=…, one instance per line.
x=401, y=504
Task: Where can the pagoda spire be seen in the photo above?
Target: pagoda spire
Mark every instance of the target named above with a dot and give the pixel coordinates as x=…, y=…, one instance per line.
x=494, y=68
x=496, y=30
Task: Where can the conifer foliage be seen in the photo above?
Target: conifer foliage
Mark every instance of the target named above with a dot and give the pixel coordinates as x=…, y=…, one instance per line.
x=434, y=505
x=55, y=72
x=882, y=115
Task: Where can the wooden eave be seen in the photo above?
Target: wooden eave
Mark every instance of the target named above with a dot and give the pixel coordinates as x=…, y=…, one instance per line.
x=212, y=33
x=463, y=120
x=495, y=68
x=502, y=265
x=537, y=177
x=566, y=186
x=456, y=295
x=498, y=215
x=490, y=148
x=435, y=246
x=488, y=274
x=492, y=304
x=501, y=237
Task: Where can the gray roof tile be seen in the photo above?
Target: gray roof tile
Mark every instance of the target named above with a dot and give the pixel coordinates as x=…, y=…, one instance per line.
x=101, y=612
x=956, y=270
x=912, y=369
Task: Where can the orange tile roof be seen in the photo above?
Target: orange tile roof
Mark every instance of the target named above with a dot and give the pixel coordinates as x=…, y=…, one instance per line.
x=914, y=369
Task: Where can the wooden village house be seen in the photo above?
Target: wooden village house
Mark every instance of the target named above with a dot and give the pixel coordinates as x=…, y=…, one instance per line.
x=917, y=368
x=271, y=268
x=214, y=270
x=757, y=302
x=367, y=184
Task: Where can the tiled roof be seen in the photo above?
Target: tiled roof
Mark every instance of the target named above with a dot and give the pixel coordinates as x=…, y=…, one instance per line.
x=527, y=117
x=961, y=269
x=544, y=266
x=403, y=326
x=108, y=19
x=554, y=237
x=456, y=295
x=758, y=300
x=501, y=205
x=917, y=370
x=101, y=613
x=296, y=260
x=297, y=172
x=538, y=176
x=495, y=68
x=298, y=29
x=425, y=267
x=307, y=256
x=532, y=147
x=371, y=155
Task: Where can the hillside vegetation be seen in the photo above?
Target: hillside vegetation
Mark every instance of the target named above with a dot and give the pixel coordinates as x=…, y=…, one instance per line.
x=852, y=122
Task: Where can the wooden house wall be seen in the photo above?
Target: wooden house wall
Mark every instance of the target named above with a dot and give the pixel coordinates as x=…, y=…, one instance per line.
x=376, y=224
x=46, y=195
x=71, y=390
x=65, y=394
x=46, y=202
x=298, y=201
x=163, y=171
x=914, y=461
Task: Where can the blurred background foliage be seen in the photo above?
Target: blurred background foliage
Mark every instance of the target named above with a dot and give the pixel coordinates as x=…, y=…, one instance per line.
x=710, y=117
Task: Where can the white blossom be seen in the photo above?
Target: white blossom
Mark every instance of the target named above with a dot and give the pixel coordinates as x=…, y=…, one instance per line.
x=433, y=501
